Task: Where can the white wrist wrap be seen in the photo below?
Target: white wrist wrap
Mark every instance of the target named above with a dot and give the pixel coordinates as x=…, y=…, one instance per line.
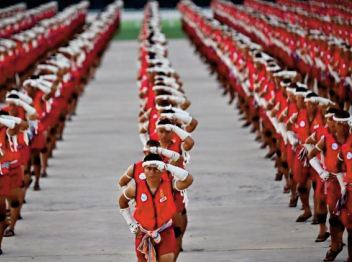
x=315, y=163
x=184, y=117
x=125, y=212
x=178, y=173
x=174, y=156
x=29, y=109
x=7, y=122
x=180, y=132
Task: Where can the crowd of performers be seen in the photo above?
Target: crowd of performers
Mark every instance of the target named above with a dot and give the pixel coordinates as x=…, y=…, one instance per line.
x=58, y=56
x=154, y=187
x=295, y=99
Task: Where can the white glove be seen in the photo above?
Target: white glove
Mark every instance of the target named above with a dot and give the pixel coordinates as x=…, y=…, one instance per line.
x=168, y=115
x=292, y=138
x=132, y=225
x=184, y=117
x=143, y=138
x=339, y=177
x=179, y=131
x=175, y=99
x=17, y=120
x=174, y=156
x=153, y=150
x=179, y=173
x=324, y=175
x=167, y=127
x=29, y=109
x=14, y=101
x=316, y=165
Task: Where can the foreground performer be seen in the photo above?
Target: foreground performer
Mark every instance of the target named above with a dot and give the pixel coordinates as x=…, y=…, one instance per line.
x=155, y=207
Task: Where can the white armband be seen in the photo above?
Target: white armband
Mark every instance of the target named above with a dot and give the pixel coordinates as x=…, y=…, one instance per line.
x=174, y=156
x=124, y=194
x=177, y=172
x=125, y=212
x=315, y=163
x=339, y=177
x=132, y=224
x=143, y=138
x=292, y=138
x=29, y=109
x=177, y=99
x=10, y=123
x=184, y=117
x=180, y=132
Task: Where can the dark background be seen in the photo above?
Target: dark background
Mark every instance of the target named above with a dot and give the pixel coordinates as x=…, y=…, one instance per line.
x=99, y=4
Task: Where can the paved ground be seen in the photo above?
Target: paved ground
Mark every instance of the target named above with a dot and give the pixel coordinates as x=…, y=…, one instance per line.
x=237, y=212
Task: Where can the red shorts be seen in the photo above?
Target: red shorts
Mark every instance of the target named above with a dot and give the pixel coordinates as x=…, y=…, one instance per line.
x=346, y=212
x=319, y=192
x=300, y=172
x=166, y=246
x=16, y=178
x=290, y=156
x=282, y=147
x=178, y=198
x=333, y=193
x=5, y=181
x=25, y=155
x=38, y=141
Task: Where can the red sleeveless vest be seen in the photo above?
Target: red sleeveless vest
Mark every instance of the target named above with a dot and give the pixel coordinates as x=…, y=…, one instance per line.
x=331, y=154
x=346, y=150
x=302, y=125
x=138, y=171
x=153, y=211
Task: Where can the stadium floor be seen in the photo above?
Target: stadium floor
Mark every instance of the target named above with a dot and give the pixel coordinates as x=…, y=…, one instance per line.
x=236, y=211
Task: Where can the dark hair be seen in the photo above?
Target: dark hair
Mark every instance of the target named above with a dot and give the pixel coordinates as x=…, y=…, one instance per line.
x=153, y=143
x=342, y=114
x=152, y=157
x=331, y=110
x=160, y=73
x=14, y=96
x=167, y=111
x=301, y=89
x=286, y=80
x=311, y=94
x=293, y=85
x=164, y=122
x=3, y=113
x=164, y=103
x=162, y=92
x=35, y=76
x=159, y=82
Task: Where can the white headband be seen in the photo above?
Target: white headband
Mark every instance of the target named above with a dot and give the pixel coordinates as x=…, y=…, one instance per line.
x=158, y=164
x=341, y=120
x=284, y=73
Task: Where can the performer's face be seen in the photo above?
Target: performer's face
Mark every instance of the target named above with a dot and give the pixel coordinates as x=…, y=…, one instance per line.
x=342, y=129
x=152, y=172
x=164, y=135
x=311, y=107
x=331, y=124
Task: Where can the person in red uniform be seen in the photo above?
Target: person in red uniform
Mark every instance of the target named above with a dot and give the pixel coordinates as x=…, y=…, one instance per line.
x=6, y=126
x=346, y=212
x=299, y=124
x=18, y=108
x=155, y=207
x=329, y=148
x=39, y=92
x=135, y=170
